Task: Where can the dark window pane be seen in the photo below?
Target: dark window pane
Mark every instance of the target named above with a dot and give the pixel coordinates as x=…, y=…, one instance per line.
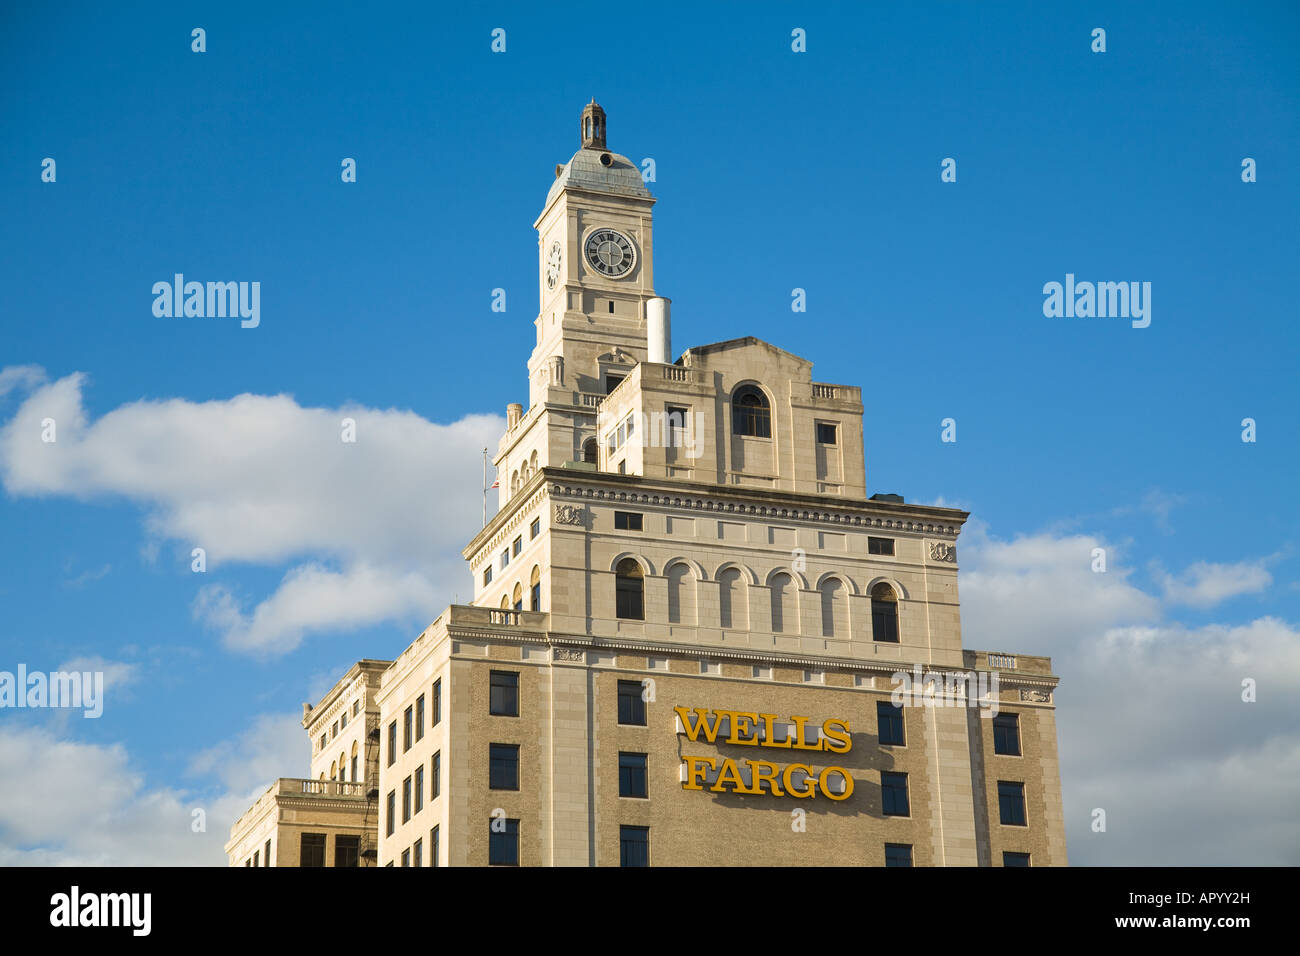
x=437, y=701
x=408, y=728
x=503, y=766
x=898, y=854
x=347, y=850
x=392, y=812
x=627, y=521
x=880, y=545
x=893, y=794
x=631, y=705
x=434, y=841
x=392, y=742
x=406, y=799
x=312, y=850
x=1006, y=734
x=632, y=775
x=503, y=843
x=633, y=846
x=435, y=785
x=825, y=433
x=629, y=591
x=750, y=413
x=504, y=694
x=890, y=720
x=884, y=621
x=419, y=717
x=1015, y=859
x=1011, y=803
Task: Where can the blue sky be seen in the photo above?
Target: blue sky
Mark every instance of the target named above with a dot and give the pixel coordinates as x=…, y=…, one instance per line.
x=775, y=170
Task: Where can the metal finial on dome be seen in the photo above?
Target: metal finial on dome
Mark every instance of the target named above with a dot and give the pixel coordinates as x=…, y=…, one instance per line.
x=593, y=126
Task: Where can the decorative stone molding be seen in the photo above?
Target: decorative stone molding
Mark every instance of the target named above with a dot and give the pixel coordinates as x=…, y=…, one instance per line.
x=571, y=654
x=1036, y=696
x=943, y=551
x=698, y=503
x=571, y=514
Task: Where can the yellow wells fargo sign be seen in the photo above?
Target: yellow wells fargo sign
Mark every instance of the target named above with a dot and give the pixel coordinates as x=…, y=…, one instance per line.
x=725, y=775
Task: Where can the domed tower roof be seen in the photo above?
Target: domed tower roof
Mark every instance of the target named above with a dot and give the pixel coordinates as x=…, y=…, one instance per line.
x=593, y=167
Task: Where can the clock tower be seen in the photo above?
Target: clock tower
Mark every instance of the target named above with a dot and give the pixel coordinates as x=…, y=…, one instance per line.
x=596, y=291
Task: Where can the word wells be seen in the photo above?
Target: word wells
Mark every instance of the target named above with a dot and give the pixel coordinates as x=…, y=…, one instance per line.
x=725, y=775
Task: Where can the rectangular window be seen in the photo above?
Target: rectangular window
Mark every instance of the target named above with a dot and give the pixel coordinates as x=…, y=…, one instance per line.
x=826, y=433
x=487, y=575
x=884, y=621
x=503, y=766
x=406, y=799
x=631, y=705
x=517, y=546
x=334, y=731
x=266, y=856
x=343, y=720
x=392, y=813
x=354, y=768
x=893, y=794
x=419, y=788
x=890, y=720
x=535, y=596
x=408, y=728
x=675, y=418
x=312, y=851
x=632, y=775
x=1006, y=734
x=880, y=545
x=627, y=520
x=535, y=528
x=434, y=840
x=503, y=843
x=1011, y=803
x=504, y=694
x=633, y=846
x=419, y=717
x=435, y=776
x=898, y=854
x=611, y=382
x=323, y=741
x=1015, y=859
x=347, y=851
x=392, y=742
x=406, y=858
x=505, y=557
x=437, y=702
x=356, y=707
x=257, y=858
x=417, y=853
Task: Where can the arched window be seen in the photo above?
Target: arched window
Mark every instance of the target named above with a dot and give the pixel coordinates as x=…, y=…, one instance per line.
x=343, y=768
x=535, y=590
x=681, y=595
x=835, y=608
x=505, y=601
x=354, y=761
x=532, y=463
x=589, y=450
x=334, y=771
x=629, y=590
x=519, y=597
x=785, y=614
x=750, y=412
x=514, y=482
x=733, y=601
x=884, y=613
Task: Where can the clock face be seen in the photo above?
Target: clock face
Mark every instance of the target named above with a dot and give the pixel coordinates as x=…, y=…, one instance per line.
x=610, y=253
x=553, y=259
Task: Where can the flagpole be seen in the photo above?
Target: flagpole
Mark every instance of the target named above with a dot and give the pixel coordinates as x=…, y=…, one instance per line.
x=485, y=487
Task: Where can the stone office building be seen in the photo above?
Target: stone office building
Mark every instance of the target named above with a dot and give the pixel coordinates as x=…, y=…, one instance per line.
x=688, y=623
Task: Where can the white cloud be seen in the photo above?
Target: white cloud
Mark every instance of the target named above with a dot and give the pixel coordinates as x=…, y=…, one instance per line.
x=20, y=378
x=67, y=803
x=1205, y=584
x=1151, y=723
x=261, y=479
